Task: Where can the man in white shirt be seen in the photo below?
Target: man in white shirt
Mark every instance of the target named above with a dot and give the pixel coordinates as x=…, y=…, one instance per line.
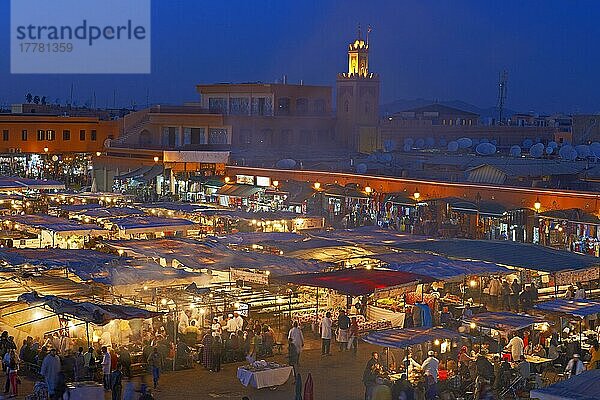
x=515, y=346
x=216, y=327
x=231, y=324
x=325, y=330
x=575, y=366
x=431, y=366
x=580, y=292
x=297, y=338
x=239, y=321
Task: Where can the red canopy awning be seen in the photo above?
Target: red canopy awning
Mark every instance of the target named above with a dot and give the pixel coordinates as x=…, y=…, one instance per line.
x=356, y=282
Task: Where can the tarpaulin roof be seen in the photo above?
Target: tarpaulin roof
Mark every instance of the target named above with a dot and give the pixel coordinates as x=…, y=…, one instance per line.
x=504, y=321
x=369, y=235
x=238, y=190
x=98, y=314
x=42, y=221
x=356, y=282
x=56, y=258
x=152, y=173
x=580, y=387
x=214, y=256
x=572, y=214
x=578, y=308
x=250, y=238
x=438, y=267
x=176, y=206
x=148, y=221
x=111, y=212
x=402, y=338
x=135, y=173
x=15, y=183
x=485, y=208
x=78, y=207
x=505, y=252
x=403, y=199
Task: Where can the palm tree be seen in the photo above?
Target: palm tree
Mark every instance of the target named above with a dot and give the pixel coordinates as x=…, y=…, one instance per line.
x=29, y=97
x=36, y=99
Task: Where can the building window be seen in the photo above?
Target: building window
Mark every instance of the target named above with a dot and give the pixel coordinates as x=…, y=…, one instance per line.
x=66, y=134
x=82, y=134
x=94, y=135
x=24, y=135
x=41, y=135
x=283, y=106
x=50, y=134
x=197, y=136
x=367, y=107
x=5, y=135
x=217, y=105
x=217, y=136
x=239, y=105
x=301, y=106
x=319, y=106
x=346, y=106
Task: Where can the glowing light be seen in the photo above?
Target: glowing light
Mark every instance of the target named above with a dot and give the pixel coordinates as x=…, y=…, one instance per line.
x=545, y=327
x=155, y=158
x=17, y=226
x=71, y=324
x=45, y=149
x=28, y=204
x=473, y=283
x=317, y=185
x=86, y=219
x=368, y=189
x=120, y=251
x=275, y=183
x=560, y=228
x=38, y=314
x=280, y=252
x=163, y=302
x=201, y=311
x=369, y=267
x=417, y=195
x=537, y=205
x=227, y=179
x=210, y=295
x=279, y=300
x=98, y=154
x=145, y=287
x=253, y=222
x=236, y=305
x=268, y=272
x=436, y=342
x=472, y=325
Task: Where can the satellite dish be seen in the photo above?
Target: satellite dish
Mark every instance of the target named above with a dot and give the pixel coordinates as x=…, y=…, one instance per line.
x=595, y=148
x=286, y=163
x=485, y=149
x=429, y=142
x=361, y=168
x=407, y=148
x=389, y=145
x=464, y=143
x=453, y=146
x=443, y=142
x=549, y=150
x=515, y=151
x=553, y=144
x=409, y=141
x=567, y=152
x=420, y=143
x=527, y=143
x=537, y=150
x=583, y=151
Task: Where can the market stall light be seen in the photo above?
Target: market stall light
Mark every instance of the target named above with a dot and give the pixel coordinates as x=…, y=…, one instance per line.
x=560, y=228
x=436, y=342
x=45, y=149
x=268, y=272
x=368, y=190
x=317, y=185
x=236, y=305
x=545, y=327
x=201, y=311
x=275, y=183
x=537, y=205
x=120, y=251
x=417, y=195
x=472, y=325
x=163, y=302
x=155, y=158
x=472, y=283
x=145, y=288
x=227, y=179
x=98, y=154
x=279, y=300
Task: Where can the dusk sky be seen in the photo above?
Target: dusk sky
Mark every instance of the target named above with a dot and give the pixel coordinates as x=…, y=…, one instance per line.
x=446, y=50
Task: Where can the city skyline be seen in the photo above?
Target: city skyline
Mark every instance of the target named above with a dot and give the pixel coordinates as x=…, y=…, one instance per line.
x=420, y=50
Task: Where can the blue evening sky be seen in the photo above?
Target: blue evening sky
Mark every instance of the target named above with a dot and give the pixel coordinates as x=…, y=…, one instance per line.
x=444, y=49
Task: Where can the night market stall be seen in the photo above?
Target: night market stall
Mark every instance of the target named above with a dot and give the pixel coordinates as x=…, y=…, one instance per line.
x=580, y=387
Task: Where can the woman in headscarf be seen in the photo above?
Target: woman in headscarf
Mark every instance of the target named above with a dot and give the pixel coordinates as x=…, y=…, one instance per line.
x=207, y=353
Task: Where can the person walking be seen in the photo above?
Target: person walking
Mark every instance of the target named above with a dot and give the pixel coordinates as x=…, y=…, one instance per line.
x=505, y=290
x=50, y=370
x=575, y=366
x=293, y=356
x=495, y=290
x=12, y=371
x=89, y=361
x=79, y=365
x=343, y=330
x=515, y=289
x=353, y=338
x=298, y=338
x=370, y=375
x=106, y=364
x=325, y=329
x=155, y=364
x=217, y=350
x=116, y=382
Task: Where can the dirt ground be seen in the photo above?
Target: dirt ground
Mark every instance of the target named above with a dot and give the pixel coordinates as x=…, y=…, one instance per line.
x=335, y=377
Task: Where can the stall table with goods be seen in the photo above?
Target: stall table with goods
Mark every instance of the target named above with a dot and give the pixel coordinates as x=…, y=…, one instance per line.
x=261, y=374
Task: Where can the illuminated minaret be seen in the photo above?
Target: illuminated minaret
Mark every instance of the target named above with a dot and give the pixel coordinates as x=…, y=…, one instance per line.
x=358, y=100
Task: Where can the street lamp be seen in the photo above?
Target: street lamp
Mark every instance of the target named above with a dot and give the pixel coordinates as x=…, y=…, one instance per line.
x=537, y=205
x=275, y=184
x=155, y=158
x=98, y=154
x=417, y=195
x=368, y=190
x=317, y=185
x=45, y=149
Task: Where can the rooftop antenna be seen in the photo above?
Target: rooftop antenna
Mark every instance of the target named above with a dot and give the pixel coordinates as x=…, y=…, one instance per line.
x=369, y=29
x=502, y=90
x=359, y=35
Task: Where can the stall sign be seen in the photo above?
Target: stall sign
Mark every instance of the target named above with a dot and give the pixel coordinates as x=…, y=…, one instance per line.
x=259, y=278
x=574, y=277
x=244, y=309
x=308, y=223
x=245, y=179
x=263, y=181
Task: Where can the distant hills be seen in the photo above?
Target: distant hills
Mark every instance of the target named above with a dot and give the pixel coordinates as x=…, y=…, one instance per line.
x=404, y=104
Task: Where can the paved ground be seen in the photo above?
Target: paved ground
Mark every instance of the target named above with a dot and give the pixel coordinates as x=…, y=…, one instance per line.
x=335, y=377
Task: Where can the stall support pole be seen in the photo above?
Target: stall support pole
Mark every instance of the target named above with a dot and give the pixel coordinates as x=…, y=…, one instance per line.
x=87, y=333
x=317, y=311
x=175, y=330
x=580, y=334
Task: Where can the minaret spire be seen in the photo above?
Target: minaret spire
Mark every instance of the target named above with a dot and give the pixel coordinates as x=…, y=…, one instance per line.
x=359, y=33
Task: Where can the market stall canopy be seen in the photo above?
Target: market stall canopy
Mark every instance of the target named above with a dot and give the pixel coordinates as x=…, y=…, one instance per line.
x=403, y=338
x=504, y=321
x=148, y=223
x=110, y=212
x=369, y=235
x=238, y=190
x=54, y=224
x=56, y=258
x=483, y=208
x=250, y=238
x=177, y=207
x=508, y=253
x=572, y=214
x=402, y=199
x=438, y=267
x=14, y=183
x=356, y=282
x=98, y=314
x=580, y=387
x=12, y=285
x=578, y=308
x=212, y=256
x=138, y=172
x=77, y=208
